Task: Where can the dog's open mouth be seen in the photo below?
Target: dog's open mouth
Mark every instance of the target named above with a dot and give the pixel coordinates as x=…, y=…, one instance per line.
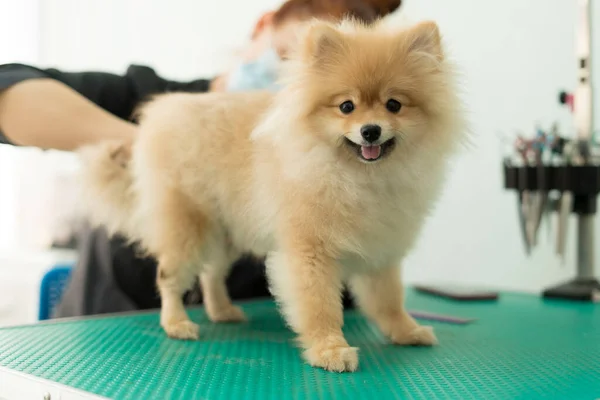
x=371, y=153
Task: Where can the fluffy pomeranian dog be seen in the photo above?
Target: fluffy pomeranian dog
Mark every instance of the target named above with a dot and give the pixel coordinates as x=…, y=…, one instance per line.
x=332, y=178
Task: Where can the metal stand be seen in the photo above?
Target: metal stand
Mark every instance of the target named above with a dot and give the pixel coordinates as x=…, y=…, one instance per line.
x=585, y=287
x=585, y=246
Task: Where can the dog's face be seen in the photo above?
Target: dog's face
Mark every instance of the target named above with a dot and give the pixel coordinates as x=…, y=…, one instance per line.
x=370, y=92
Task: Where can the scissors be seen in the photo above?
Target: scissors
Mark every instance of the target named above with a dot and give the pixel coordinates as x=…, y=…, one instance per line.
x=566, y=202
x=524, y=198
x=540, y=199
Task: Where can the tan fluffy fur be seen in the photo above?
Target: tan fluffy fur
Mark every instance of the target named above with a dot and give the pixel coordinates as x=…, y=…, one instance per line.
x=215, y=175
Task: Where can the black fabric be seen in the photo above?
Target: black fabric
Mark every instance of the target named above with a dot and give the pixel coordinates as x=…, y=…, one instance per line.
x=92, y=289
x=134, y=275
x=110, y=275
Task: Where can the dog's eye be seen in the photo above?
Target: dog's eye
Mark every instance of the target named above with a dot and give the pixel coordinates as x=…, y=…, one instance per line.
x=393, y=105
x=347, y=107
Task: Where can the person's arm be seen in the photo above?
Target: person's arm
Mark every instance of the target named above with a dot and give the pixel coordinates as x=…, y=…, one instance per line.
x=64, y=110
x=47, y=113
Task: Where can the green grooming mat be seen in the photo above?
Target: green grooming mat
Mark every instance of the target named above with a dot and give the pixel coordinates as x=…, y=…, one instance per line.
x=520, y=347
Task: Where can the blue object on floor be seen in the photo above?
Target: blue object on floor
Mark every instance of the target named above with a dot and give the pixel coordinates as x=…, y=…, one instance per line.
x=52, y=288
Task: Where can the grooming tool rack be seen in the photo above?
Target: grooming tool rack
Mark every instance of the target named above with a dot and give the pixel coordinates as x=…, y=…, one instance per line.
x=583, y=182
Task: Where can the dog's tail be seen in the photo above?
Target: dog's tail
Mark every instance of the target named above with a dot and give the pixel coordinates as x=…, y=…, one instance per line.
x=107, y=187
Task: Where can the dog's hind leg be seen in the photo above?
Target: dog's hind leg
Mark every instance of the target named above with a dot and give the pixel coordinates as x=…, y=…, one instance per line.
x=177, y=239
x=219, y=257
x=217, y=302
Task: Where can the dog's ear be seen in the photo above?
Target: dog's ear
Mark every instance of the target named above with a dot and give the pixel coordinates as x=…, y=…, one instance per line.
x=424, y=38
x=321, y=39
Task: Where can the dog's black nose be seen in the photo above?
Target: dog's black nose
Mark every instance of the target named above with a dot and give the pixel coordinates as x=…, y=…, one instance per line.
x=370, y=132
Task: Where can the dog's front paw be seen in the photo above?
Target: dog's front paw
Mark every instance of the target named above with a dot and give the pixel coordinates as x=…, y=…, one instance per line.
x=333, y=357
x=184, y=330
x=413, y=335
x=228, y=314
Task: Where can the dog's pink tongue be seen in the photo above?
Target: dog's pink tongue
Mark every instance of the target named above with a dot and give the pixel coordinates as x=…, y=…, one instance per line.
x=370, y=152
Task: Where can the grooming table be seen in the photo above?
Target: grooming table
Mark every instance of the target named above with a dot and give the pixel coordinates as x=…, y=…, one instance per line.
x=520, y=347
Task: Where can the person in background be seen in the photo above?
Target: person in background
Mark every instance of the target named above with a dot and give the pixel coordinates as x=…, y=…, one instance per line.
x=53, y=109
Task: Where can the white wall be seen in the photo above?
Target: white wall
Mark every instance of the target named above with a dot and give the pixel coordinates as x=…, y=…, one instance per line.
x=20, y=272
x=182, y=39
x=21, y=25
x=516, y=55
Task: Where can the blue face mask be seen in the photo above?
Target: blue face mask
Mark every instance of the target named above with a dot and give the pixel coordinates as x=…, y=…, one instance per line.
x=259, y=74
